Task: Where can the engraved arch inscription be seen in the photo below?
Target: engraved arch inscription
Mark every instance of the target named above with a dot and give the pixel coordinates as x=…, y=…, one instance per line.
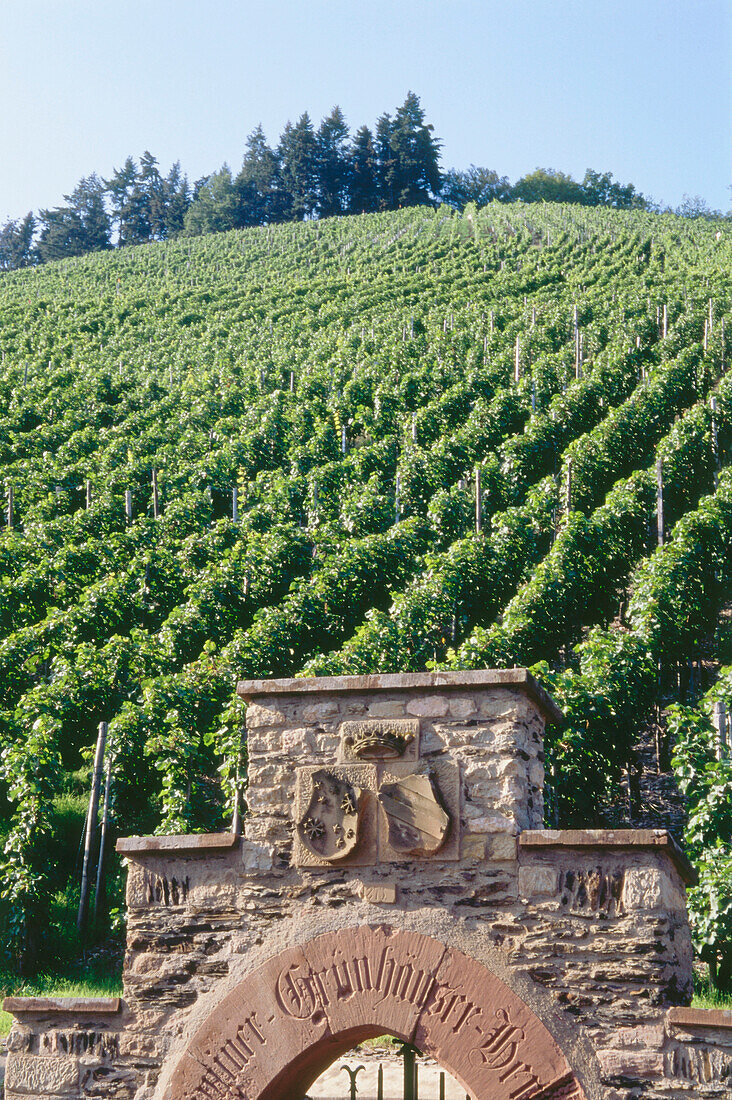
x=275, y=1033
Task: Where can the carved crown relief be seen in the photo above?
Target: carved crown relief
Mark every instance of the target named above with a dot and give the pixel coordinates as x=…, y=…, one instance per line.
x=380, y=739
x=380, y=804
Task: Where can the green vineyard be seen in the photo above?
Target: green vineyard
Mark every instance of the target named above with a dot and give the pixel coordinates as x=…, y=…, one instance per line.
x=388, y=442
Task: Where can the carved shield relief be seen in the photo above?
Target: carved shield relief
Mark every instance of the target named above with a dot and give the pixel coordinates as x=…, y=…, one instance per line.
x=329, y=826
x=418, y=821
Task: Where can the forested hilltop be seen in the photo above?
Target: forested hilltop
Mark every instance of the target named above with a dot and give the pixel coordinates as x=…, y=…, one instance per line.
x=310, y=173
x=387, y=442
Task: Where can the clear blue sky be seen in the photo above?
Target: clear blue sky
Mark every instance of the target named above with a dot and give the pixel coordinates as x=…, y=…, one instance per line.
x=642, y=88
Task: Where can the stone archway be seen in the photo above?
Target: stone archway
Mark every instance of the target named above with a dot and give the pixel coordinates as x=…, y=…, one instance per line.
x=287, y=1021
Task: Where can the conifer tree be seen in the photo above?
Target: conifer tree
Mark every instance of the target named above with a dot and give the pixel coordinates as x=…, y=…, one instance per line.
x=16, y=243
x=332, y=164
x=298, y=156
x=363, y=195
x=416, y=178
x=217, y=206
x=385, y=163
x=177, y=200
x=259, y=183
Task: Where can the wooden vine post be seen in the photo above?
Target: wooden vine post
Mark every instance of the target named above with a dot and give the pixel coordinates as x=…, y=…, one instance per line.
x=478, y=501
x=155, y=499
x=102, y=839
x=569, y=485
x=659, y=499
x=715, y=442
x=128, y=505
x=91, y=826
x=11, y=509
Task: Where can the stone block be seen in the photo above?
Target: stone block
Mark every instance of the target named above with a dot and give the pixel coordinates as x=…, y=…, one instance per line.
x=319, y=712
x=650, y=888
x=387, y=708
x=473, y=849
x=646, y=1036
x=538, y=881
x=638, y=1065
x=259, y=714
x=501, y=847
x=462, y=706
x=380, y=893
x=33, y=1076
x=428, y=706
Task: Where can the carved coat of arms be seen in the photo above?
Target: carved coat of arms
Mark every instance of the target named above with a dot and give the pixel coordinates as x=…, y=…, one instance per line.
x=329, y=826
x=418, y=822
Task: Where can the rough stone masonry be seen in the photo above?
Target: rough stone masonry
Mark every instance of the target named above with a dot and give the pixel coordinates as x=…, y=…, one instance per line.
x=393, y=875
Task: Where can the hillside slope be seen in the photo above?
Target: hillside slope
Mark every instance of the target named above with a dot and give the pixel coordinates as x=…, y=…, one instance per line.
x=311, y=403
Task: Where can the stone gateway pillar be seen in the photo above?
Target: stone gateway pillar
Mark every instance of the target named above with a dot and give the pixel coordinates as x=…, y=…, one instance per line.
x=393, y=877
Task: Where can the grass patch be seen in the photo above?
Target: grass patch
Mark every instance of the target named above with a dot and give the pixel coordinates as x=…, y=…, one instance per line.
x=93, y=980
x=705, y=995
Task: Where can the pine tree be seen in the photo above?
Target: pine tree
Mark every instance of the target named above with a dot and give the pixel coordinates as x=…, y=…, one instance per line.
x=363, y=195
x=16, y=243
x=416, y=179
x=217, y=206
x=332, y=164
x=152, y=194
x=385, y=163
x=298, y=165
x=177, y=200
x=259, y=183
x=79, y=227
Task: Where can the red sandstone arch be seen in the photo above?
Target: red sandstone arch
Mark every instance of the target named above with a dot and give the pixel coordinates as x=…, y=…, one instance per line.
x=275, y=1033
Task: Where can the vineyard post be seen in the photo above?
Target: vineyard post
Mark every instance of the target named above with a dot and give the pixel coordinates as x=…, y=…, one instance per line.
x=517, y=360
x=665, y=320
x=128, y=505
x=715, y=442
x=235, y=504
x=11, y=511
x=414, y=427
x=88, y=493
x=397, y=495
x=659, y=499
x=569, y=485
x=91, y=825
x=292, y=381
x=343, y=439
x=102, y=839
x=478, y=501
x=722, y=342
x=155, y=493
x=720, y=724
x=533, y=395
